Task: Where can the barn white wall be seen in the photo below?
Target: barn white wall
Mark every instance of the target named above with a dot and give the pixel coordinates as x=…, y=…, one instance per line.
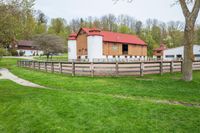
x=72, y=50
x=180, y=51
x=173, y=52
x=197, y=52
x=95, y=47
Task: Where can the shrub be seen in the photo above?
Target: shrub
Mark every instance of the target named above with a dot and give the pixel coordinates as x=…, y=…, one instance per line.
x=14, y=52
x=2, y=52
x=21, y=53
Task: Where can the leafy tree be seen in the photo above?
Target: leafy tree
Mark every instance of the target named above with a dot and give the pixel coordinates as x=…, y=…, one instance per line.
x=124, y=29
x=49, y=43
x=2, y=52
x=58, y=27
x=138, y=27
x=197, y=35
x=16, y=20
x=41, y=26
x=148, y=38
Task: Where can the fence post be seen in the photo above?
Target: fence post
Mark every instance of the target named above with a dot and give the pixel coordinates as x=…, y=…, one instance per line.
x=141, y=69
x=39, y=65
x=171, y=67
x=117, y=68
x=18, y=63
x=182, y=66
x=33, y=64
x=52, y=67
x=29, y=64
x=45, y=65
x=73, y=68
x=60, y=67
x=161, y=67
x=92, y=69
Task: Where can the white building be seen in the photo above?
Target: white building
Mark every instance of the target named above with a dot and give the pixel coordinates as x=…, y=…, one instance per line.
x=97, y=45
x=178, y=53
x=26, y=48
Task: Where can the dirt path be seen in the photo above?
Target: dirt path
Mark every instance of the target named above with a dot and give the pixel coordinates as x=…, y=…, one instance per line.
x=6, y=74
x=140, y=98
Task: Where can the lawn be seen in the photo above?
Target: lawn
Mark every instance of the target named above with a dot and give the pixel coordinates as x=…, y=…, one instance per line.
x=85, y=104
x=54, y=58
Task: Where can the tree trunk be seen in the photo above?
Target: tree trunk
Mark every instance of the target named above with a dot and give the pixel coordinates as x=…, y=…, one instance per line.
x=188, y=50
x=48, y=57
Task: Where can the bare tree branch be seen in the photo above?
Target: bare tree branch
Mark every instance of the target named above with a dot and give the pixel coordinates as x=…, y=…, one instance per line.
x=195, y=9
x=184, y=7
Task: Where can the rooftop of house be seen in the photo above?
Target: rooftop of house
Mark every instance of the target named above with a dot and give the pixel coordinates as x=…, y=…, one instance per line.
x=110, y=36
x=161, y=48
x=25, y=43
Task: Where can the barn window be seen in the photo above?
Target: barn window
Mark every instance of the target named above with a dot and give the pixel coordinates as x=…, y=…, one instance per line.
x=179, y=56
x=197, y=55
x=169, y=56
x=125, y=49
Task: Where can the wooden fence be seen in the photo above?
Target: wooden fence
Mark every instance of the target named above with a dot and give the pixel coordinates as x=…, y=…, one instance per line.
x=108, y=69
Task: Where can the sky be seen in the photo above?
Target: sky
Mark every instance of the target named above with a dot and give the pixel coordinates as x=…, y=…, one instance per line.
x=163, y=10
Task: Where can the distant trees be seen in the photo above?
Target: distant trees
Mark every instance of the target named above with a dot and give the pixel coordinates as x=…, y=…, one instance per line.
x=41, y=23
x=190, y=13
x=16, y=20
x=50, y=44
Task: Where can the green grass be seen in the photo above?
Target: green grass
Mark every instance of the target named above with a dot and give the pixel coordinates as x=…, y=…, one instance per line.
x=168, y=86
x=54, y=58
x=64, y=109
x=33, y=110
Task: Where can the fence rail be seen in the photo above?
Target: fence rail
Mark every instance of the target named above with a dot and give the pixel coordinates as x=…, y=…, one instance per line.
x=108, y=68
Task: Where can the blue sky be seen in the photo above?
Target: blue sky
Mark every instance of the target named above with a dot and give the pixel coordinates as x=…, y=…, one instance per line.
x=139, y=9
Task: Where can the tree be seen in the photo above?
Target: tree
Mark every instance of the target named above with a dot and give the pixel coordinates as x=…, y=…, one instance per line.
x=57, y=26
x=16, y=20
x=138, y=27
x=50, y=44
x=190, y=20
x=124, y=29
x=175, y=33
x=41, y=26
x=197, y=35
x=2, y=52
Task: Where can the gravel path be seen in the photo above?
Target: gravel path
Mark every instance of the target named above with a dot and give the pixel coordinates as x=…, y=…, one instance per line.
x=6, y=74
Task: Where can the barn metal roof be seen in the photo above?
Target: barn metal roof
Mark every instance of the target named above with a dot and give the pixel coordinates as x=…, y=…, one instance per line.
x=112, y=36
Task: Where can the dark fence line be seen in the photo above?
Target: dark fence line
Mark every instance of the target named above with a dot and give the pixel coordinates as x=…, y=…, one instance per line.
x=108, y=68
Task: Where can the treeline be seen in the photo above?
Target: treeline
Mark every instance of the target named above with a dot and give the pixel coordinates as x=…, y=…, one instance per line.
x=19, y=21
